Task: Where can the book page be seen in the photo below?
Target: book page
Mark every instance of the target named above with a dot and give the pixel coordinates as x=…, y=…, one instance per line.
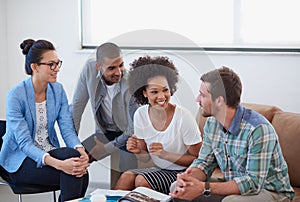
x=153, y=194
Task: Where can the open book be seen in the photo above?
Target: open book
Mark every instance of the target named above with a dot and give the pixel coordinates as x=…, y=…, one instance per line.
x=143, y=194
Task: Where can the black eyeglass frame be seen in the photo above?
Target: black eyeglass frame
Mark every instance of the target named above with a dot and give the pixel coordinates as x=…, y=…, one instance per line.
x=52, y=65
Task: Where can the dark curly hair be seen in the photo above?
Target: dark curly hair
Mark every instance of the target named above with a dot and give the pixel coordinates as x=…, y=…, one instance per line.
x=145, y=68
x=33, y=50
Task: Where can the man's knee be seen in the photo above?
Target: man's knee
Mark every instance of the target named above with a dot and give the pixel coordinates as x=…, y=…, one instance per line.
x=127, y=161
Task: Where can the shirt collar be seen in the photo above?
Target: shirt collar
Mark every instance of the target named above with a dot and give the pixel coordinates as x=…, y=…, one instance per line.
x=98, y=74
x=235, y=124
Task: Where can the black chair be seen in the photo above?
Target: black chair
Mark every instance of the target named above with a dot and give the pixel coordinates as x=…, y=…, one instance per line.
x=22, y=189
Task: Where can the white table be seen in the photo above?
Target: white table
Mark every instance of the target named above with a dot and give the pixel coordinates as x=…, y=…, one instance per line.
x=104, y=192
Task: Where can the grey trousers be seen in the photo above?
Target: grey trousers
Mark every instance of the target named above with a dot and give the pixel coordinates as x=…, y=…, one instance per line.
x=263, y=196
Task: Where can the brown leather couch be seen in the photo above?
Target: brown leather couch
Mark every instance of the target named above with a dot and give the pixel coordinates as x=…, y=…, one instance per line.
x=287, y=126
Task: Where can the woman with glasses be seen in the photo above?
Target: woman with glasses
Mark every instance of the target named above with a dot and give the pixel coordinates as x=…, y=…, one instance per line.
x=31, y=152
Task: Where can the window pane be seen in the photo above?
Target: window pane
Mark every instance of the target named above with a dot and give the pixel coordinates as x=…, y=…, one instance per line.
x=213, y=23
x=205, y=25
x=270, y=22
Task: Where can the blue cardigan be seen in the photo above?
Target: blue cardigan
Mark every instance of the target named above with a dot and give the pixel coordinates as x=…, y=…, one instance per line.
x=18, y=142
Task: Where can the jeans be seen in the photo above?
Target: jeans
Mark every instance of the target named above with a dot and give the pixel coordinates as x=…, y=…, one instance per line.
x=71, y=186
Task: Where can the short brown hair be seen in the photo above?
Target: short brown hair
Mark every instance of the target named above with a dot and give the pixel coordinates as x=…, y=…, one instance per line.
x=226, y=83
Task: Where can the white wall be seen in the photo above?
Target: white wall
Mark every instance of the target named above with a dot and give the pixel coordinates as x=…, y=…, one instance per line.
x=267, y=78
x=3, y=58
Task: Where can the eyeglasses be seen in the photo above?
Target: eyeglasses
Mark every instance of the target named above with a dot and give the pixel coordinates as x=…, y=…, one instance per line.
x=52, y=65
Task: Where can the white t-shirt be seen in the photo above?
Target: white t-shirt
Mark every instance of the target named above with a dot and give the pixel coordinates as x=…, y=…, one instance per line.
x=107, y=106
x=181, y=132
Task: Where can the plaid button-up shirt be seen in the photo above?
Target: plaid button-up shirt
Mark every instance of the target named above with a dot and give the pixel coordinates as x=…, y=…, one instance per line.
x=248, y=153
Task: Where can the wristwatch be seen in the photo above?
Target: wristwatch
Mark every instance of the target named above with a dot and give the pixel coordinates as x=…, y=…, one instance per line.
x=206, y=191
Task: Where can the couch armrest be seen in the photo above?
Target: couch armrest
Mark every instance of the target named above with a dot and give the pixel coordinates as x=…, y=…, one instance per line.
x=287, y=126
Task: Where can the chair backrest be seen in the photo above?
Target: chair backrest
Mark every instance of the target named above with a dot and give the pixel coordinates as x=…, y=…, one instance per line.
x=2, y=131
x=20, y=189
x=3, y=172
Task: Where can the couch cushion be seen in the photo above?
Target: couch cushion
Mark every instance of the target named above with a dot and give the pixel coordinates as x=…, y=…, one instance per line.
x=200, y=121
x=287, y=126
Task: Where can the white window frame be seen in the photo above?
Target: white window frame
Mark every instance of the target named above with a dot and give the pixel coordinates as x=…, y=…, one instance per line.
x=239, y=40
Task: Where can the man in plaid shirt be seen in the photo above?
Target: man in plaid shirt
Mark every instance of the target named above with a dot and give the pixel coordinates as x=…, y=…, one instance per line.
x=241, y=142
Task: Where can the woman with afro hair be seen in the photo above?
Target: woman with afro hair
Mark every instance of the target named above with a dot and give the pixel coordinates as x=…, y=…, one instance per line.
x=164, y=132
